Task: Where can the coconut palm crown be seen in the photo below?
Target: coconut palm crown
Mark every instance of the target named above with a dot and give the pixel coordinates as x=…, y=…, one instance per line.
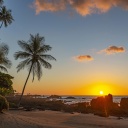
x=1, y=2
x=5, y=16
x=34, y=57
x=4, y=61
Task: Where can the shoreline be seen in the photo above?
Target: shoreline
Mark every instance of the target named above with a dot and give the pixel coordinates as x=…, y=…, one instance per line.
x=74, y=99
x=102, y=106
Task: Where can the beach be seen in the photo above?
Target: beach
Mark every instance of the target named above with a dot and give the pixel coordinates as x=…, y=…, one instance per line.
x=55, y=119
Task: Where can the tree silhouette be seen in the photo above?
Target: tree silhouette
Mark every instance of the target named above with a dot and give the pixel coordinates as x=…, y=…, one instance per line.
x=5, y=15
x=4, y=61
x=34, y=55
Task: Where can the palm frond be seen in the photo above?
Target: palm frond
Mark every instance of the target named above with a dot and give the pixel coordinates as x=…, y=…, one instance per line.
x=1, y=2
x=39, y=70
x=37, y=38
x=6, y=16
x=44, y=48
x=47, y=57
x=22, y=55
x=4, y=49
x=22, y=64
x=45, y=64
x=33, y=72
x=5, y=61
x=36, y=42
x=25, y=46
x=2, y=68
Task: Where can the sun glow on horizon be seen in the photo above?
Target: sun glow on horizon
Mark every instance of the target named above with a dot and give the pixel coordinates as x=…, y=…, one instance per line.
x=101, y=92
x=101, y=89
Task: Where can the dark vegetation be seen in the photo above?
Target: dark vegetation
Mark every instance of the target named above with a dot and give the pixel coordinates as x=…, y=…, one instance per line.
x=3, y=104
x=6, y=84
x=5, y=79
x=6, y=17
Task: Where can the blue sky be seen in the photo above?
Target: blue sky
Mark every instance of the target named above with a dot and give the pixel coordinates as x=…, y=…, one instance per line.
x=72, y=34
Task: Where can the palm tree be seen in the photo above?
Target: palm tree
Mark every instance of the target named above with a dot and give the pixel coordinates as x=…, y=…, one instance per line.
x=1, y=2
x=4, y=61
x=34, y=57
x=5, y=16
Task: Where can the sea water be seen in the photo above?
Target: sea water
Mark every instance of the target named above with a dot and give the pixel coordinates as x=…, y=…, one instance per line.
x=78, y=99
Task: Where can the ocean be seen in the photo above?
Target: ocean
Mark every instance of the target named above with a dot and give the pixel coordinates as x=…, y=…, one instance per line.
x=77, y=99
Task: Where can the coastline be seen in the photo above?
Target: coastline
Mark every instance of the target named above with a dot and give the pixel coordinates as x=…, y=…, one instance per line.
x=80, y=98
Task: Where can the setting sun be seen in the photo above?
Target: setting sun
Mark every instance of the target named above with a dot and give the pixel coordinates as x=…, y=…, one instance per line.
x=101, y=92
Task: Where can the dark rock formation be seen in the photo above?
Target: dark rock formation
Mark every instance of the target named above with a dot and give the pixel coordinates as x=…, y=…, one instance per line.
x=54, y=97
x=124, y=103
x=70, y=97
x=102, y=105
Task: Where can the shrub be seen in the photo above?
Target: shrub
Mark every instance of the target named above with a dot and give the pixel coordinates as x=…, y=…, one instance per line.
x=3, y=103
x=6, y=84
x=12, y=105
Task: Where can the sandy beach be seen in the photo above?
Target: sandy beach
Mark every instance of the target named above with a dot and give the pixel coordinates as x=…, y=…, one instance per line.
x=54, y=119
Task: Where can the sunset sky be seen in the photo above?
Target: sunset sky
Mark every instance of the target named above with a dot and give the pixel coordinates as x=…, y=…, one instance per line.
x=89, y=39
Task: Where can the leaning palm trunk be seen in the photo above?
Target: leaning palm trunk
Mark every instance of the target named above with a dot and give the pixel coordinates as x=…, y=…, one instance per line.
x=24, y=86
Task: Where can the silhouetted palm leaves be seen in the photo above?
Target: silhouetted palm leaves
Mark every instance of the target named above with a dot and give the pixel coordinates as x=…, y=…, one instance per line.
x=5, y=16
x=1, y=2
x=4, y=61
x=34, y=55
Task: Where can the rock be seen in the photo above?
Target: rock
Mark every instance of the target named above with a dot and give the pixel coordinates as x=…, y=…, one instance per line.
x=124, y=103
x=70, y=97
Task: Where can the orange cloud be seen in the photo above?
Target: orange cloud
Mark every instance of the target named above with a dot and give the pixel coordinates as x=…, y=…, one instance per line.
x=83, y=58
x=113, y=50
x=46, y=5
x=82, y=7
